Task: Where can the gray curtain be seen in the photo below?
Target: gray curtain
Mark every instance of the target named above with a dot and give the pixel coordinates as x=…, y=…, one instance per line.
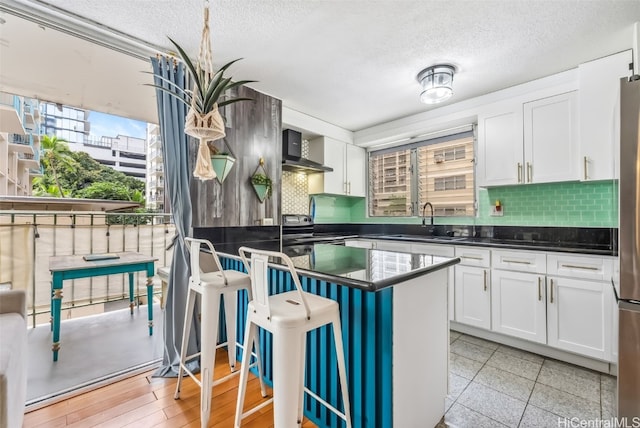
x=175, y=148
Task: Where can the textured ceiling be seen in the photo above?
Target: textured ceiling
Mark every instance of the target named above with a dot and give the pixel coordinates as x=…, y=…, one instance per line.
x=354, y=63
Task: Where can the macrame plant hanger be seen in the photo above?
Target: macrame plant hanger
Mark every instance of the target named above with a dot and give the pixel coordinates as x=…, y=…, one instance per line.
x=209, y=126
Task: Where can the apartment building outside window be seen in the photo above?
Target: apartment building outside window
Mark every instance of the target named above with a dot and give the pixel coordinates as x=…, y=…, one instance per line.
x=441, y=171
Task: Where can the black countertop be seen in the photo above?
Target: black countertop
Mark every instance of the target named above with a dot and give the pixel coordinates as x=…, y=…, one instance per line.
x=375, y=269
x=583, y=240
x=365, y=269
x=513, y=244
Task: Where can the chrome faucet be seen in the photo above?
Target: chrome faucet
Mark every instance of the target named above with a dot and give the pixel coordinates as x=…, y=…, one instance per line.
x=424, y=219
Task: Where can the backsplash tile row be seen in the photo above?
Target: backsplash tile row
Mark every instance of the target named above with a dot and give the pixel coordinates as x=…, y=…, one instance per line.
x=573, y=204
x=590, y=204
x=295, y=196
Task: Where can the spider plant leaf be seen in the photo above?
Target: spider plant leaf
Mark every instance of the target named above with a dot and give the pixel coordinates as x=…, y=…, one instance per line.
x=227, y=65
x=188, y=63
x=219, y=90
x=231, y=101
x=182, y=93
x=239, y=83
x=213, y=85
x=170, y=92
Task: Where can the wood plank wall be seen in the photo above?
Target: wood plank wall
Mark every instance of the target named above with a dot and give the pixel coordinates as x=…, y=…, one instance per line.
x=254, y=130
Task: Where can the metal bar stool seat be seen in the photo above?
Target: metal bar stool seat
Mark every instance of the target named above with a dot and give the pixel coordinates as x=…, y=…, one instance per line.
x=212, y=286
x=288, y=316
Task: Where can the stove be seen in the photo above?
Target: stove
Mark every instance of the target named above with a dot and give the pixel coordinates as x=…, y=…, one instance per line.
x=297, y=229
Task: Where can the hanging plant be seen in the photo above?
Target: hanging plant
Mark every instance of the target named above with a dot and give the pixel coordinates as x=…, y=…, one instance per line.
x=261, y=182
x=203, y=119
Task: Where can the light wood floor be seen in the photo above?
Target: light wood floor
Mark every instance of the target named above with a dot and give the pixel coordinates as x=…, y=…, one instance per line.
x=145, y=401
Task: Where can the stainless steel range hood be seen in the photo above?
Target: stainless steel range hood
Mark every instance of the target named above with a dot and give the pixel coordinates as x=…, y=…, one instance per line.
x=292, y=159
x=304, y=165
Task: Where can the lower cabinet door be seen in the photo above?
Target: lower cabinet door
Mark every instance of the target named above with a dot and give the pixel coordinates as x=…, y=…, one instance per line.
x=580, y=316
x=518, y=303
x=473, y=296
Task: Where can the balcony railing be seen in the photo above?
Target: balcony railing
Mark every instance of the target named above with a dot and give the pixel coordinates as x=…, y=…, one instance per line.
x=26, y=140
x=12, y=101
x=27, y=240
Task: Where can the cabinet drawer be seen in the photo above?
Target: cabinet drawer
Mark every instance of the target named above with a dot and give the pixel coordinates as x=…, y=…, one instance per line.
x=472, y=256
x=587, y=267
x=433, y=249
x=522, y=261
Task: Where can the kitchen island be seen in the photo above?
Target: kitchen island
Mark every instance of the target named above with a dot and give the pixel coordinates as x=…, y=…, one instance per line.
x=394, y=319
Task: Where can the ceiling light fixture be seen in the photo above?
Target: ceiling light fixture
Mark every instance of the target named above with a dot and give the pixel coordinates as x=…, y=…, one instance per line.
x=437, y=83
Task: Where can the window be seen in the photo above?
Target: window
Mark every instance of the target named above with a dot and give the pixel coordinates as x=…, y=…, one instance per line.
x=440, y=171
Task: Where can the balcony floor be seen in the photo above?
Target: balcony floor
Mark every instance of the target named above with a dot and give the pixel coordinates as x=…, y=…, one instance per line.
x=93, y=349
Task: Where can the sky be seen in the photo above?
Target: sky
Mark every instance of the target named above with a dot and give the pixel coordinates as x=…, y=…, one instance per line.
x=109, y=125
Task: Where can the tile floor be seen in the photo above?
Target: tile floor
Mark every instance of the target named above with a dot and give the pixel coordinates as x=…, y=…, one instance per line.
x=495, y=386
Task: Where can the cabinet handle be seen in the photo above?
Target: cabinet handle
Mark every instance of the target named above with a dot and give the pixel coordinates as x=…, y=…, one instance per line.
x=586, y=163
x=522, y=262
x=529, y=172
x=471, y=257
x=539, y=289
x=349, y=192
x=551, y=291
x=579, y=267
x=519, y=172
x=485, y=279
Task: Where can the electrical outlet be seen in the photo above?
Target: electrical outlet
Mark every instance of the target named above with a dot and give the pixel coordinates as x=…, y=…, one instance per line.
x=497, y=211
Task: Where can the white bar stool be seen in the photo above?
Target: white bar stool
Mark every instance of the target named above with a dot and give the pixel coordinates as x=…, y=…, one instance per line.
x=288, y=316
x=211, y=286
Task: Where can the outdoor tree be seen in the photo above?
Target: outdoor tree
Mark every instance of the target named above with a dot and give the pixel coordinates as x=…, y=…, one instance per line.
x=81, y=176
x=57, y=157
x=105, y=190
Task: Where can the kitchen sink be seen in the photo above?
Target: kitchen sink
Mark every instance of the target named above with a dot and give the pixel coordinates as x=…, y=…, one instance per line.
x=429, y=237
x=446, y=238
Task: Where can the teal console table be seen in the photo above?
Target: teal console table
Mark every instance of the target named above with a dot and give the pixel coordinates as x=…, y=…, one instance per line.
x=73, y=267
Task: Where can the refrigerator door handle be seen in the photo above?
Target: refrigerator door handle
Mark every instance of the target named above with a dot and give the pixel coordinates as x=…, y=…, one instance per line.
x=615, y=292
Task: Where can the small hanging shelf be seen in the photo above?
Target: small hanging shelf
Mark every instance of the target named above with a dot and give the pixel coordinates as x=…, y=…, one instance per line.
x=261, y=182
x=221, y=162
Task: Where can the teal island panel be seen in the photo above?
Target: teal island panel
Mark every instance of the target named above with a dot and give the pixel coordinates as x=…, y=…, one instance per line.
x=366, y=319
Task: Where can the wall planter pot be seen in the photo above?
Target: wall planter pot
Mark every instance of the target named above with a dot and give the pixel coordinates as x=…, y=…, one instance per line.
x=261, y=182
x=222, y=165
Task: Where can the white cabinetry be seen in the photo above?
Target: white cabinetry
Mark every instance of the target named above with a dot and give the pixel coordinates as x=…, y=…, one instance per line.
x=472, y=296
x=580, y=317
x=599, y=109
x=530, y=142
x=500, y=146
x=518, y=301
x=550, y=139
x=348, y=163
x=442, y=251
x=472, y=287
x=580, y=305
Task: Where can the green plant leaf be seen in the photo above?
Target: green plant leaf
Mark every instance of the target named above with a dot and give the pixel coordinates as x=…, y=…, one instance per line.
x=179, y=93
x=189, y=64
x=239, y=83
x=231, y=101
x=219, y=90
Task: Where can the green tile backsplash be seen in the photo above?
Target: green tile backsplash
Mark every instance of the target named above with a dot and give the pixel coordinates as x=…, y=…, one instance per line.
x=588, y=204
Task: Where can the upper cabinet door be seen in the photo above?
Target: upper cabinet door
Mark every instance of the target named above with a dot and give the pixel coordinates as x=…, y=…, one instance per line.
x=550, y=139
x=500, y=154
x=355, y=166
x=599, y=106
x=334, y=181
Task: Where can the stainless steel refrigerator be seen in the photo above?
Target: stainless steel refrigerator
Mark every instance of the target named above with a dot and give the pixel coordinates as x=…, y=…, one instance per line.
x=629, y=251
